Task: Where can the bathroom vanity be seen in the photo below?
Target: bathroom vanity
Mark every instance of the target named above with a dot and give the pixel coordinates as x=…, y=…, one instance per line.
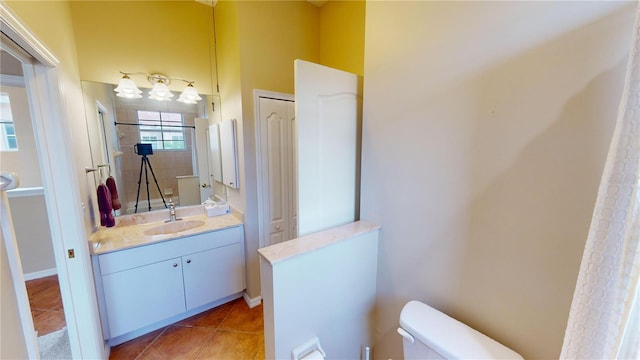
x=149, y=273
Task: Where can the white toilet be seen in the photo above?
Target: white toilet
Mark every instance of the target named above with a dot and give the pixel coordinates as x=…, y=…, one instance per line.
x=429, y=334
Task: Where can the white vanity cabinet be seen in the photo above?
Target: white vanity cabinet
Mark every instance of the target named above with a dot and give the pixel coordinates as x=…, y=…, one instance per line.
x=143, y=295
x=142, y=287
x=212, y=274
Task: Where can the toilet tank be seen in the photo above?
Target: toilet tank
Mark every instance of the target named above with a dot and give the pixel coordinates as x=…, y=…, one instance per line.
x=430, y=334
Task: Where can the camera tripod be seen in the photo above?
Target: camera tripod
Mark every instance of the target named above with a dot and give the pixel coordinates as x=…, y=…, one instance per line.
x=144, y=164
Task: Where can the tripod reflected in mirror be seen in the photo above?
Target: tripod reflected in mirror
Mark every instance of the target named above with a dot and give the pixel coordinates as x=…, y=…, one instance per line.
x=144, y=150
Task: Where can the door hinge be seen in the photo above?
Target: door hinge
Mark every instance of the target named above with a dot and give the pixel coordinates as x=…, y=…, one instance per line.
x=71, y=253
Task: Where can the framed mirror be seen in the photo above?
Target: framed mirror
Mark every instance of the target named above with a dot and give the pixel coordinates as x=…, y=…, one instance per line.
x=153, y=150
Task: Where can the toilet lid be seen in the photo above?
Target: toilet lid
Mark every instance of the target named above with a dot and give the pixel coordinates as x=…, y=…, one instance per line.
x=448, y=336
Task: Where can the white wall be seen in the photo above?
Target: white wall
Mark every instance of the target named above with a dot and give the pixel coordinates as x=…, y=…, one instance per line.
x=486, y=126
x=320, y=285
x=31, y=225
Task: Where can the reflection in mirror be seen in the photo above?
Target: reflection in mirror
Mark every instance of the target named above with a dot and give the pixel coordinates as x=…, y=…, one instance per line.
x=178, y=161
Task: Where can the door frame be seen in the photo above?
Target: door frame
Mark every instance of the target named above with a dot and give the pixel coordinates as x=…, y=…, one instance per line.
x=263, y=201
x=62, y=196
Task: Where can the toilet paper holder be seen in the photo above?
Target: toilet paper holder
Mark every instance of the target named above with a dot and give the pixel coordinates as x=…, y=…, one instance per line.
x=307, y=348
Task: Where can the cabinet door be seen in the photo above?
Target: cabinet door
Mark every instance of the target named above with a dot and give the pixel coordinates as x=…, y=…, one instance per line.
x=142, y=296
x=212, y=274
x=228, y=151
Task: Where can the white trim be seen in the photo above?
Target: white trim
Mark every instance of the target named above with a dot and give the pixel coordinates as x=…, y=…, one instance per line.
x=262, y=202
x=11, y=80
x=252, y=302
x=64, y=210
x=25, y=192
x=14, y=29
x=40, y=274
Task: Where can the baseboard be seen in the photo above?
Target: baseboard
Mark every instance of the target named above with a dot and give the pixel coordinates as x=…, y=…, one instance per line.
x=252, y=302
x=40, y=274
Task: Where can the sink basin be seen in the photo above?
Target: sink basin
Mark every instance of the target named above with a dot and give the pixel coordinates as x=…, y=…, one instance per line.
x=173, y=227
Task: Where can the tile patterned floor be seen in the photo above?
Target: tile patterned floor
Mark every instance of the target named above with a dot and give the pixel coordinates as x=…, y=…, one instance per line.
x=231, y=331
x=46, y=304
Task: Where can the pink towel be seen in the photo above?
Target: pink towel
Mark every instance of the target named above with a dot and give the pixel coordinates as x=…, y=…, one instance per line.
x=115, y=202
x=104, y=205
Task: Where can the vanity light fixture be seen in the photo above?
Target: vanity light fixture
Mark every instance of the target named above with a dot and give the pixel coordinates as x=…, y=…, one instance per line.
x=189, y=95
x=127, y=88
x=160, y=91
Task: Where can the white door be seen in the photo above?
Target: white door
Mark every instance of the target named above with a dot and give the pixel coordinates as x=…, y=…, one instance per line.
x=327, y=120
x=143, y=295
x=276, y=119
x=228, y=153
x=16, y=312
x=203, y=160
x=215, y=161
x=212, y=274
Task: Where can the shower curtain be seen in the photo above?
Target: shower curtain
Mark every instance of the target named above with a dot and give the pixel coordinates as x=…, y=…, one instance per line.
x=604, y=318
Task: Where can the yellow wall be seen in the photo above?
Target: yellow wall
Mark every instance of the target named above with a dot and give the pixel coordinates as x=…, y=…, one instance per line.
x=272, y=35
x=51, y=22
x=174, y=38
x=264, y=39
x=342, y=35
x=226, y=13
x=257, y=43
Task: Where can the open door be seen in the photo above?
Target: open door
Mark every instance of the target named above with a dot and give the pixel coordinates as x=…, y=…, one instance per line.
x=18, y=336
x=328, y=142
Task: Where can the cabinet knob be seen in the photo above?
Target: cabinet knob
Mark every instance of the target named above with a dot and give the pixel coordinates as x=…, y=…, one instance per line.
x=188, y=261
x=277, y=227
x=175, y=264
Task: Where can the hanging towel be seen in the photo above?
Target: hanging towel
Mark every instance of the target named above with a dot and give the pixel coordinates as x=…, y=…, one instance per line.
x=104, y=205
x=115, y=202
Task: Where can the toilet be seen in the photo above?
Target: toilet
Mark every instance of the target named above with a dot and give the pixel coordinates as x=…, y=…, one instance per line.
x=429, y=334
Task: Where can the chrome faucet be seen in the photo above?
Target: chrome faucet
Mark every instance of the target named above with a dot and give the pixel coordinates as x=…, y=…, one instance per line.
x=172, y=212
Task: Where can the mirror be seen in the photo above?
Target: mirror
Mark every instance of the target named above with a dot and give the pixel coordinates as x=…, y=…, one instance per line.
x=176, y=159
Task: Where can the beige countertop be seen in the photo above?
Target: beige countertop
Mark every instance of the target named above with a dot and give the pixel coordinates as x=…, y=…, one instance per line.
x=288, y=249
x=129, y=230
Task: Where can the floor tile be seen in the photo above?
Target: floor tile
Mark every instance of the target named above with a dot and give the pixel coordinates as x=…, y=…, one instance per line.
x=231, y=345
x=36, y=285
x=36, y=312
x=131, y=349
x=209, y=318
x=243, y=318
x=46, y=299
x=260, y=353
x=178, y=342
x=199, y=336
x=49, y=321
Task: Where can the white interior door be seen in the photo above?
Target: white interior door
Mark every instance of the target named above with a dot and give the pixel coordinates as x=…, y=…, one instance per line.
x=203, y=157
x=327, y=102
x=276, y=119
x=228, y=152
x=16, y=312
x=214, y=151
